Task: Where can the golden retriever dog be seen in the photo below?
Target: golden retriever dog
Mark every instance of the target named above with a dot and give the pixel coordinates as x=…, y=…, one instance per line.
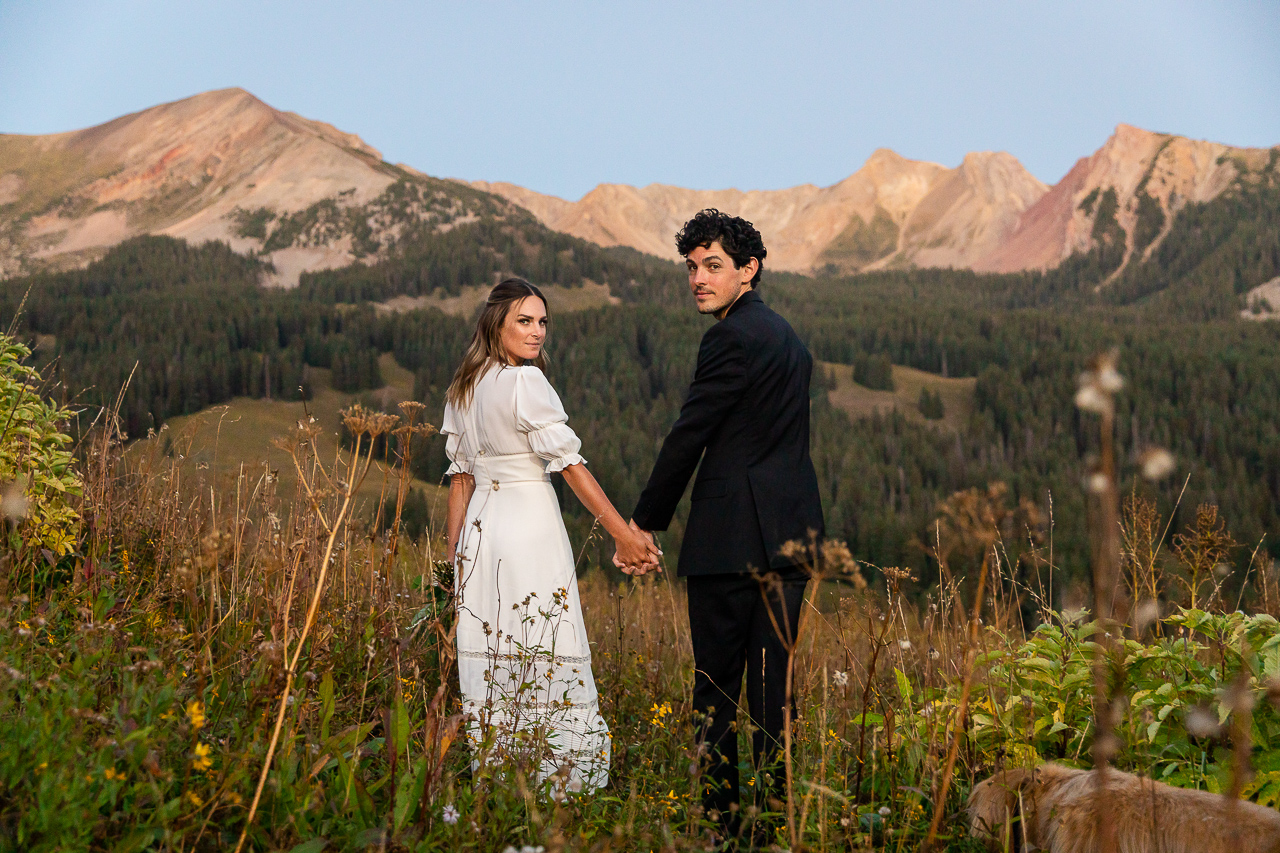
x=1055, y=809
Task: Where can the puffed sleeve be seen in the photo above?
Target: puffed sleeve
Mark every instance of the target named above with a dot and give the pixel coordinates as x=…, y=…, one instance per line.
x=451, y=428
x=540, y=415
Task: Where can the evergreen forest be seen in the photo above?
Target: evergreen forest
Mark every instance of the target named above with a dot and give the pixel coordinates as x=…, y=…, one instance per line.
x=185, y=327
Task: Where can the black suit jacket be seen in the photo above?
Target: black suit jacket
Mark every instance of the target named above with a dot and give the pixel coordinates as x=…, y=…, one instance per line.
x=747, y=419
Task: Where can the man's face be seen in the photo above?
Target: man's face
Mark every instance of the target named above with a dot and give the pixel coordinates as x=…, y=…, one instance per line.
x=716, y=283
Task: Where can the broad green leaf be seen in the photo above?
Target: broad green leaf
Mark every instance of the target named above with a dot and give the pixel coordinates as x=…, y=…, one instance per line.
x=313, y=845
x=137, y=840
x=904, y=685
x=409, y=793
x=401, y=726
x=326, y=705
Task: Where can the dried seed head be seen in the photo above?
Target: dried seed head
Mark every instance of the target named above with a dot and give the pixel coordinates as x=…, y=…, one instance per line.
x=795, y=550
x=411, y=409
x=1145, y=614
x=13, y=499
x=1238, y=698
x=1202, y=722
x=1091, y=398
x=837, y=559
x=897, y=574
x=1273, y=690
x=356, y=419
x=1157, y=463
x=1106, y=746
x=1109, y=381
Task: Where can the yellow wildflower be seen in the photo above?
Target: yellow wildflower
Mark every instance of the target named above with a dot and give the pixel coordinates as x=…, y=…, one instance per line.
x=112, y=773
x=660, y=713
x=233, y=798
x=195, y=799
x=195, y=713
x=202, y=760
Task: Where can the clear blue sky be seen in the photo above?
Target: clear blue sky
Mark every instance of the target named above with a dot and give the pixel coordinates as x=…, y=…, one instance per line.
x=560, y=96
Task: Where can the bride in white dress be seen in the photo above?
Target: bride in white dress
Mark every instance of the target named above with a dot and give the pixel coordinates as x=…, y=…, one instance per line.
x=523, y=659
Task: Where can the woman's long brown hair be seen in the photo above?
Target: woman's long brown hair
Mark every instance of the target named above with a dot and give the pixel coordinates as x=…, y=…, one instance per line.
x=486, y=342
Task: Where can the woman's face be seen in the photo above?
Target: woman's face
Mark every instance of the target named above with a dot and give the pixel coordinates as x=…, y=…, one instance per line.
x=524, y=329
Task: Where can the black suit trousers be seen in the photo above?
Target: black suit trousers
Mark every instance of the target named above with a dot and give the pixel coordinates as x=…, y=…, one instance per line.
x=740, y=622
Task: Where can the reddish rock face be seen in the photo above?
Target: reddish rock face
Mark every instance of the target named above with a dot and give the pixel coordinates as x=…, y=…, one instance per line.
x=988, y=214
x=1171, y=170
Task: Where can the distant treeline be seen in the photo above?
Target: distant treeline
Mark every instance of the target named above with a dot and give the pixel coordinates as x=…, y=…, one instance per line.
x=193, y=328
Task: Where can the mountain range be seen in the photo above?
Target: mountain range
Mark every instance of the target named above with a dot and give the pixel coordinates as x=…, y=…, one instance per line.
x=307, y=196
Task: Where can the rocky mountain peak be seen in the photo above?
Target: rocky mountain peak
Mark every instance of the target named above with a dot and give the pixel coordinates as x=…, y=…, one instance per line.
x=1151, y=176
x=194, y=169
x=225, y=165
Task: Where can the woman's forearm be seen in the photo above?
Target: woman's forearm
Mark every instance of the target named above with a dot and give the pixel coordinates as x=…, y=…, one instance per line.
x=461, y=487
x=584, y=485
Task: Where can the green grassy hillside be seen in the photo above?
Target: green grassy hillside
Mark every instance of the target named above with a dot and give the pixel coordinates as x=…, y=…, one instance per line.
x=859, y=401
x=239, y=437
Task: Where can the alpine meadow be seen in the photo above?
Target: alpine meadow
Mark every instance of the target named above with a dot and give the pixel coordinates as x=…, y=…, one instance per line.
x=1052, y=497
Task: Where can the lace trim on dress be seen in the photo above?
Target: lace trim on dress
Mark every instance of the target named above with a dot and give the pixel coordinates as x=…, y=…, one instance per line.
x=525, y=656
x=506, y=706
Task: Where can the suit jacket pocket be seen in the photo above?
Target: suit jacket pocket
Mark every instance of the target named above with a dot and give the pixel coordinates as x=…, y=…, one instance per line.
x=712, y=487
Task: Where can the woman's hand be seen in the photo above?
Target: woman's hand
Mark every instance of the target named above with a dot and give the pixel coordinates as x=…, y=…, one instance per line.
x=636, y=553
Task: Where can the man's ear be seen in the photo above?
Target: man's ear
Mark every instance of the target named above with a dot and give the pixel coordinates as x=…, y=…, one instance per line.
x=752, y=266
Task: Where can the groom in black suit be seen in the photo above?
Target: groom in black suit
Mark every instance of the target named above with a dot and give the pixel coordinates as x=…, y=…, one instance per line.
x=746, y=419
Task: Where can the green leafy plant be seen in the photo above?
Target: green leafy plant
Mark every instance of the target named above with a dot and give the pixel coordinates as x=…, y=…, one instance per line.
x=34, y=460
x=1182, y=690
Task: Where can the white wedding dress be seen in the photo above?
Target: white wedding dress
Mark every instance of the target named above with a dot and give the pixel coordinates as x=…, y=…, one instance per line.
x=523, y=659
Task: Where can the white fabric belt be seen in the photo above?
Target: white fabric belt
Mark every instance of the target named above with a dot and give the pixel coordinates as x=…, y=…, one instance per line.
x=512, y=468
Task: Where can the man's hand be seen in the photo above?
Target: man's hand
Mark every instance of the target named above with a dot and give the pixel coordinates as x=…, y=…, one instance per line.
x=646, y=565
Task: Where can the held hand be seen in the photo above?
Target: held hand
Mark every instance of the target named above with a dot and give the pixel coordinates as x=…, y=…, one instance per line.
x=638, y=553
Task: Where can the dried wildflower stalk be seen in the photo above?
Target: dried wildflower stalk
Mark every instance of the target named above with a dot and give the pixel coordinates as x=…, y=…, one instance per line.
x=360, y=423
x=962, y=708
x=1097, y=389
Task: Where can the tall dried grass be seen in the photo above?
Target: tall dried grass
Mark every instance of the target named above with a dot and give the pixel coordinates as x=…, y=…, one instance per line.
x=267, y=671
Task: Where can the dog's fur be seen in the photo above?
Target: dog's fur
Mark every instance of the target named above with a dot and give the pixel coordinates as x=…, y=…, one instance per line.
x=1054, y=808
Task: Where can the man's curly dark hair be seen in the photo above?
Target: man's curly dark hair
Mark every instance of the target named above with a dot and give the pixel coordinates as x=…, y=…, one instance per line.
x=736, y=236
